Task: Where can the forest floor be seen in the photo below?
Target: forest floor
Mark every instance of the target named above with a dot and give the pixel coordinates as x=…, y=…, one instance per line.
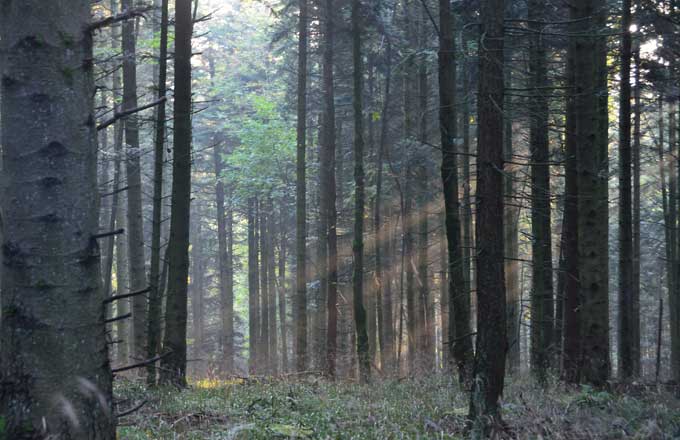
x=431, y=408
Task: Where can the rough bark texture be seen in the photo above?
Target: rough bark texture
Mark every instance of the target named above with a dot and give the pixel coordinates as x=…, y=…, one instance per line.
x=542, y=349
x=300, y=304
x=54, y=367
x=155, y=300
x=135, y=219
x=592, y=174
x=458, y=337
x=253, y=291
x=175, y=363
x=489, y=364
x=626, y=350
x=359, y=198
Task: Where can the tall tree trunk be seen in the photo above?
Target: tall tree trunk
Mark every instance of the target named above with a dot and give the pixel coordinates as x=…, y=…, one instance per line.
x=54, y=366
x=459, y=339
x=155, y=300
x=673, y=299
x=196, y=289
x=174, y=364
x=253, y=290
x=542, y=332
x=226, y=294
x=359, y=200
x=136, y=258
x=592, y=174
x=626, y=309
x=271, y=289
x=282, y=288
x=264, y=290
x=410, y=265
x=122, y=279
x=637, y=136
x=300, y=304
x=571, y=321
x=489, y=365
x=329, y=196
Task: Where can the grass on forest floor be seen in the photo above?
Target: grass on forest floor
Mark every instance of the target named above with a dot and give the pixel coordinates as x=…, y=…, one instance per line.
x=432, y=408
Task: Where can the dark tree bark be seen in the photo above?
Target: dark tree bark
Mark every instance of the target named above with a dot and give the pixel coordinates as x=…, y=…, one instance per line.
x=489, y=364
x=626, y=305
x=359, y=201
x=283, y=285
x=271, y=289
x=458, y=337
x=328, y=192
x=264, y=290
x=155, y=300
x=637, y=135
x=542, y=332
x=54, y=366
x=590, y=110
x=174, y=364
x=300, y=303
x=135, y=220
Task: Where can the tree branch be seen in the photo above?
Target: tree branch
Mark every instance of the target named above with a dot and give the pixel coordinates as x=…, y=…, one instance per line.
x=125, y=15
x=125, y=113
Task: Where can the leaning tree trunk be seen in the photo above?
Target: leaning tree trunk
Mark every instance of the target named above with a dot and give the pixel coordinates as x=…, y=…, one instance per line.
x=136, y=258
x=54, y=366
x=489, y=364
x=174, y=364
x=458, y=337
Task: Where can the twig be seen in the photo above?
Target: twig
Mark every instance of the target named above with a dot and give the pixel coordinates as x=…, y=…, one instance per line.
x=132, y=410
x=126, y=295
x=125, y=15
x=118, y=318
x=140, y=364
x=119, y=115
x=108, y=234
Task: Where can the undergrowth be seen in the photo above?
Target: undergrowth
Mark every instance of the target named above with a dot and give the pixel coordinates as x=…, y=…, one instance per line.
x=432, y=408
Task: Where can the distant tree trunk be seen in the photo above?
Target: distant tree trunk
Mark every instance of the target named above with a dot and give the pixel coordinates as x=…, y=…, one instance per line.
x=383, y=291
x=155, y=300
x=592, y=173
x=458, y=334
x=511, y=229
x=674, y=294
x=300, y=303
x=489, y=366
x=174, y=364
x=328, y=207
x=626, y=308
x=282, y=288
x=56, y=377
x=224, y=255
x=135, y=221
x=359, y=206
x=122, y=278
x=271, y=288
x=264, y=290
x=410, y=265
x=637, y=135
x=197, y=288
x=253, y=290
x=542, y=332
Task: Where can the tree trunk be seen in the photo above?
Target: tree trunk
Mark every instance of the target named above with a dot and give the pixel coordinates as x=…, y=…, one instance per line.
x=282, y=288
x=637, y=136
x=54, y=366
x=626, y=310
x=489, y=365
x=300, y=304
x=458, y=334
x=155, y=300
x=136, y=258
x=271, y=289
x=592, y=174
x=174, y=364
x=542, y=332
x=359, y=200
x=253, y=291
x=264, y=290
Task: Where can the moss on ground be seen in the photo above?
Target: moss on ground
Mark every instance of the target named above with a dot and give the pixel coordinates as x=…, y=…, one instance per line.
x=433, y=408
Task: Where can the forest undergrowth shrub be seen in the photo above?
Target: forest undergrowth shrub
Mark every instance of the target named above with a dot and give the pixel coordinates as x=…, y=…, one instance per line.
x=424, y=408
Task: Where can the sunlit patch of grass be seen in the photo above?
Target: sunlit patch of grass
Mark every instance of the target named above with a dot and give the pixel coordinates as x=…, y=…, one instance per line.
x=209, y=383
